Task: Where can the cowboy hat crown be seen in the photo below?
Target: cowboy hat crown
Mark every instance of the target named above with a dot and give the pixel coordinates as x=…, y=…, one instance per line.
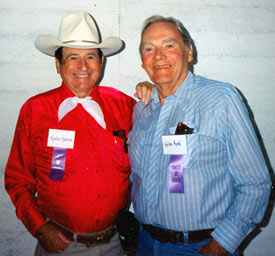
x=77, y=30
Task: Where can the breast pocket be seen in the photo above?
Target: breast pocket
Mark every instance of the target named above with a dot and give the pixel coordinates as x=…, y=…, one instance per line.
x=189, y=159
x=42, y=153
x=120, y=154
x=192, y=149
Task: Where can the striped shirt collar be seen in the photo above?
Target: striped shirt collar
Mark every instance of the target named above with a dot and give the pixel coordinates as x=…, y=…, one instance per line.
x=184, y=92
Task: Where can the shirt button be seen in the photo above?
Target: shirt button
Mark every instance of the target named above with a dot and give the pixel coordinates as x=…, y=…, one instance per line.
x=98, y=196
x=97, y=220
x=152, y=176
x=151, y=207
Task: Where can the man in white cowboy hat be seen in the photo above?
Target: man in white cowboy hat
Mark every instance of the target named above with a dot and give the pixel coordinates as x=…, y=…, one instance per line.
x=68, y=169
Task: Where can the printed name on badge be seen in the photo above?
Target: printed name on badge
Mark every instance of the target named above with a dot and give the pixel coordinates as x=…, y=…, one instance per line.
x=174, y=144
x=61, y=138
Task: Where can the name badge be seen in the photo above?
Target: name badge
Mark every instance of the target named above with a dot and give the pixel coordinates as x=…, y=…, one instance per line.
x=174, y=144
x=61, y=138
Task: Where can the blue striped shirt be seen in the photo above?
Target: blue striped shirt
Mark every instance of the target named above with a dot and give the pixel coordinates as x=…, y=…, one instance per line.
x=226, y=181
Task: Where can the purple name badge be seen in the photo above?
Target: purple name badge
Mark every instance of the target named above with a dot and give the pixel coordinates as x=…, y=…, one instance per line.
x=176, y=174
x=58, y=164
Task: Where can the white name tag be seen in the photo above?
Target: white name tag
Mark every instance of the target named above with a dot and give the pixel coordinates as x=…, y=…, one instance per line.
x=174, y=144
x=61, y=138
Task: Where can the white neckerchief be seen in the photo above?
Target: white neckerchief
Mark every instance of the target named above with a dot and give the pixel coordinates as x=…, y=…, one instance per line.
x=88, y=104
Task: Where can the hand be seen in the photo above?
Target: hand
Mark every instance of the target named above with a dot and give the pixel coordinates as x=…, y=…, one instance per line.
x=213, y=248
x=144, y=91
x=52, y=239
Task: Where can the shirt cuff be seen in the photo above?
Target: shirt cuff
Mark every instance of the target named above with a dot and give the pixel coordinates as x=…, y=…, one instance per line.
x=33, y=220
x=228, y=236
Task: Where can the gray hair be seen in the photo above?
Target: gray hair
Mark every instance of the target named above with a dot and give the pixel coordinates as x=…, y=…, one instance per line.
x=182, y=30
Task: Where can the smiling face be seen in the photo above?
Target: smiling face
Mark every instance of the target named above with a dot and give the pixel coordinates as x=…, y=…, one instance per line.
x=80, y=69
x=165, y=57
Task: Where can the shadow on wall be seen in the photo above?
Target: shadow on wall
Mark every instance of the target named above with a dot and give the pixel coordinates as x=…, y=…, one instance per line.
x=270, y=205
x=271, y=202
x=195, y=56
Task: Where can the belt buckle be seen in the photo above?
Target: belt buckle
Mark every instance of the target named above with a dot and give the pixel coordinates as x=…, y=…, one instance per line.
x=94, y=240
x=99, y=238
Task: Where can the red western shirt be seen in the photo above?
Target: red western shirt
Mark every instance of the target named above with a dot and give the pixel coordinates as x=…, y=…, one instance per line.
x=95, y=184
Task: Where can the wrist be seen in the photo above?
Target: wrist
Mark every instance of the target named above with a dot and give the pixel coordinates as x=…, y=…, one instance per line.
x=219, y=247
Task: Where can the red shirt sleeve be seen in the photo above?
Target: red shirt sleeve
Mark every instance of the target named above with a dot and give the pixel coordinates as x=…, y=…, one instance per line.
x=20, y=180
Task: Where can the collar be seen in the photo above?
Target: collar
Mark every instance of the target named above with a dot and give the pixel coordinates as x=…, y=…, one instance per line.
x=184, y=92
x=65, y=92
x=186, y=89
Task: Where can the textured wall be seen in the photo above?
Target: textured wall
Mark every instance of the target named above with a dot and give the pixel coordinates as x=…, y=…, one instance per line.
x=235, y=43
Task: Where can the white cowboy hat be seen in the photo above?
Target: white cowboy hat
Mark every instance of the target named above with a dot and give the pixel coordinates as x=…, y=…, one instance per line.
x=77, y=30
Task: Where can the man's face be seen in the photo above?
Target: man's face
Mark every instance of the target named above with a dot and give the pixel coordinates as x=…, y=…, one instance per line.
x=80, y=69
x=164, y=56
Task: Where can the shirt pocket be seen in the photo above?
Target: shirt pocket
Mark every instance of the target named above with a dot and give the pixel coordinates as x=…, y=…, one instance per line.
x=114, y=152
x=189, y=159
x=120, y=154
x=212, y=151
x=42, y=153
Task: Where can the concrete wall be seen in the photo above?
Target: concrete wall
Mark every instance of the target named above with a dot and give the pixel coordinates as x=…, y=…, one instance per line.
x=235, y=43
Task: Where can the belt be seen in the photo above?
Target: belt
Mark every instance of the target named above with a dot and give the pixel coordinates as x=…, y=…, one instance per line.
x=88, y=240
x=165, y=235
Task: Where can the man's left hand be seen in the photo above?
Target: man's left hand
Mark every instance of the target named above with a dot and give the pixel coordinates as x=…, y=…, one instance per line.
x=213, y=248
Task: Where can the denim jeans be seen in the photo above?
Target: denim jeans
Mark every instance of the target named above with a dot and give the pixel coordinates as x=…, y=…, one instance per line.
x=147, y=246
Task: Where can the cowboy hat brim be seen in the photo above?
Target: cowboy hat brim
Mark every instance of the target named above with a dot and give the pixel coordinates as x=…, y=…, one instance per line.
x=48, y=44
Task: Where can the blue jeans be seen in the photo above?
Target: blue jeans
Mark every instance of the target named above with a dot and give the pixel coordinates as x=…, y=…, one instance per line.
x=147, y=246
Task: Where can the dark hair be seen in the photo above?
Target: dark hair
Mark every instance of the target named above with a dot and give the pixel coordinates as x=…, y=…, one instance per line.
x=58, y=54
x=157, y=19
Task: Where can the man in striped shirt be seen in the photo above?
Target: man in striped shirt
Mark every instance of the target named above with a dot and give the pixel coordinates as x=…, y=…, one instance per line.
x=202, y=190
